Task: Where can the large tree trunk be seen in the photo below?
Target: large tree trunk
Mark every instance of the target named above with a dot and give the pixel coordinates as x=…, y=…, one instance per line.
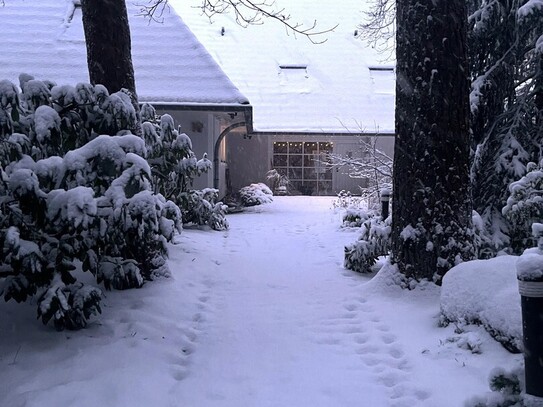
x=431, y=223
x=107, y=36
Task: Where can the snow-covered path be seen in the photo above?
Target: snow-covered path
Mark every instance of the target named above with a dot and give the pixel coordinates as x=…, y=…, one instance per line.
x=277, y=326
x=285, y=325
x=261, y=315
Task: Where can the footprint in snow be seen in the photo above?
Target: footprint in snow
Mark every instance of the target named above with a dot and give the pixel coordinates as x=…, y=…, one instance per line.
x=388, y=338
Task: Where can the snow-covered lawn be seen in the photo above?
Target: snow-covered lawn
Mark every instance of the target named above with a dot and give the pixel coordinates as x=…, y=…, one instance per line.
x=261, y=315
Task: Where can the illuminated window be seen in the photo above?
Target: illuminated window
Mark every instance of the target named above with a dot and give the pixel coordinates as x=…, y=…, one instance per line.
x=304, y=163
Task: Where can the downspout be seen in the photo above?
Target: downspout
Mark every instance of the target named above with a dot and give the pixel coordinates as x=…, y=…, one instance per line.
x=216, y=160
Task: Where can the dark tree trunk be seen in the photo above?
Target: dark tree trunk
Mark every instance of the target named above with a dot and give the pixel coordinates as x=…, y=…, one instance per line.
x=107, y=36
x=431, y=223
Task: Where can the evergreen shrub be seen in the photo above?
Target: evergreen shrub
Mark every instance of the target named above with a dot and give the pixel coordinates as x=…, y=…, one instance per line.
x=78, y=191
x=255, y=194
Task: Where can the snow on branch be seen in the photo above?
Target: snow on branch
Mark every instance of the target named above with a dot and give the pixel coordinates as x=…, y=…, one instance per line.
x=531, y=7
x=371, y=164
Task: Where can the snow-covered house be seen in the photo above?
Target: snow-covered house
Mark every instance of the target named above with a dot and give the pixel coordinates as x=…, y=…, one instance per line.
x=308, y=99
x=173, y=70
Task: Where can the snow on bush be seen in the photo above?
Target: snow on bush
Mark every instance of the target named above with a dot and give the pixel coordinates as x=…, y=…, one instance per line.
x=174, y=167
x=346, y=200
x=485, y=292
x=506, y=389
x=355, y=217
x=525, y=204
x=373, y=242
x=255, y=194
x=75, y=187
x=531, y=7
x=202, y=208
x=375, y=239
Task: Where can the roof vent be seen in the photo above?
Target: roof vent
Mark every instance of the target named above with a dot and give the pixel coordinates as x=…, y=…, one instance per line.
x=383, y=79
x=381, y=68
x=294, y=77
x=293, y=67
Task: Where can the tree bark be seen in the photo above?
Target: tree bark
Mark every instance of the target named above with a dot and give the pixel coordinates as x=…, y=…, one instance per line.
x=431, y=222
x=109, y=57
x=107, y=35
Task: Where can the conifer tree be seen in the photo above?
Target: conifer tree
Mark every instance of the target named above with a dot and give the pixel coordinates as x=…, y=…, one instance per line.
x=506, y=107
x=431, y=222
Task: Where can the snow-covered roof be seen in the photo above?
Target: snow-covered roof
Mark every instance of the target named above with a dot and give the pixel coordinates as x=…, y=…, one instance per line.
x=45, y=39
x=293, y=84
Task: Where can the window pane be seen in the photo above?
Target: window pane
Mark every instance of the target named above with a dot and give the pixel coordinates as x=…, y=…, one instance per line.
x=295, y=173
x=295, y=160
x=280, y=160
x=326, y=147
x=295, y=148
x=308, y=188
x=282, y=171
x=279, y=147
x=310, y=148
x=309, y=160
x=310, y=173
x=296, y=185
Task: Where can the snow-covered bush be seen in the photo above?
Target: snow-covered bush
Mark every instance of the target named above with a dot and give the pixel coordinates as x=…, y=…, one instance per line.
x=279, y=182
x=202, y=208
x=174, y=167
x=355, y=217
x=255, y=194
x=485, y=292
x=346, y=200
x=374, y=241
x=525, y=206
x=70, y=191
x=506, y=387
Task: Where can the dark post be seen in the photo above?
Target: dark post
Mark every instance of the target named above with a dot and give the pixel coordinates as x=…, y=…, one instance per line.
x=530, y=280
x=385, y=199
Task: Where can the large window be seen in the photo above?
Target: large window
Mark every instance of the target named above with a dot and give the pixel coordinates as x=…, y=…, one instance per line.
x=304, y=165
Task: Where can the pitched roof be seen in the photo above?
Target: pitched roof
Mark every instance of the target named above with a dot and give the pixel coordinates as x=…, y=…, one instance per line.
x=297, y=86
x=45, y=39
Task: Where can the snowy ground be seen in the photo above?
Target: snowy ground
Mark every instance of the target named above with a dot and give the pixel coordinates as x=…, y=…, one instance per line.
x=261, y=315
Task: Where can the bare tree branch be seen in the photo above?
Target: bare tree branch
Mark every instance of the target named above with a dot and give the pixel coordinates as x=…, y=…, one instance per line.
x=246, y=12
x=154, y=10
x=372, y=164
x=379, y=27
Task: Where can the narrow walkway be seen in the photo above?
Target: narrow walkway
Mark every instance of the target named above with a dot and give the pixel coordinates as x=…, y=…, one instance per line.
x=281, y=324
